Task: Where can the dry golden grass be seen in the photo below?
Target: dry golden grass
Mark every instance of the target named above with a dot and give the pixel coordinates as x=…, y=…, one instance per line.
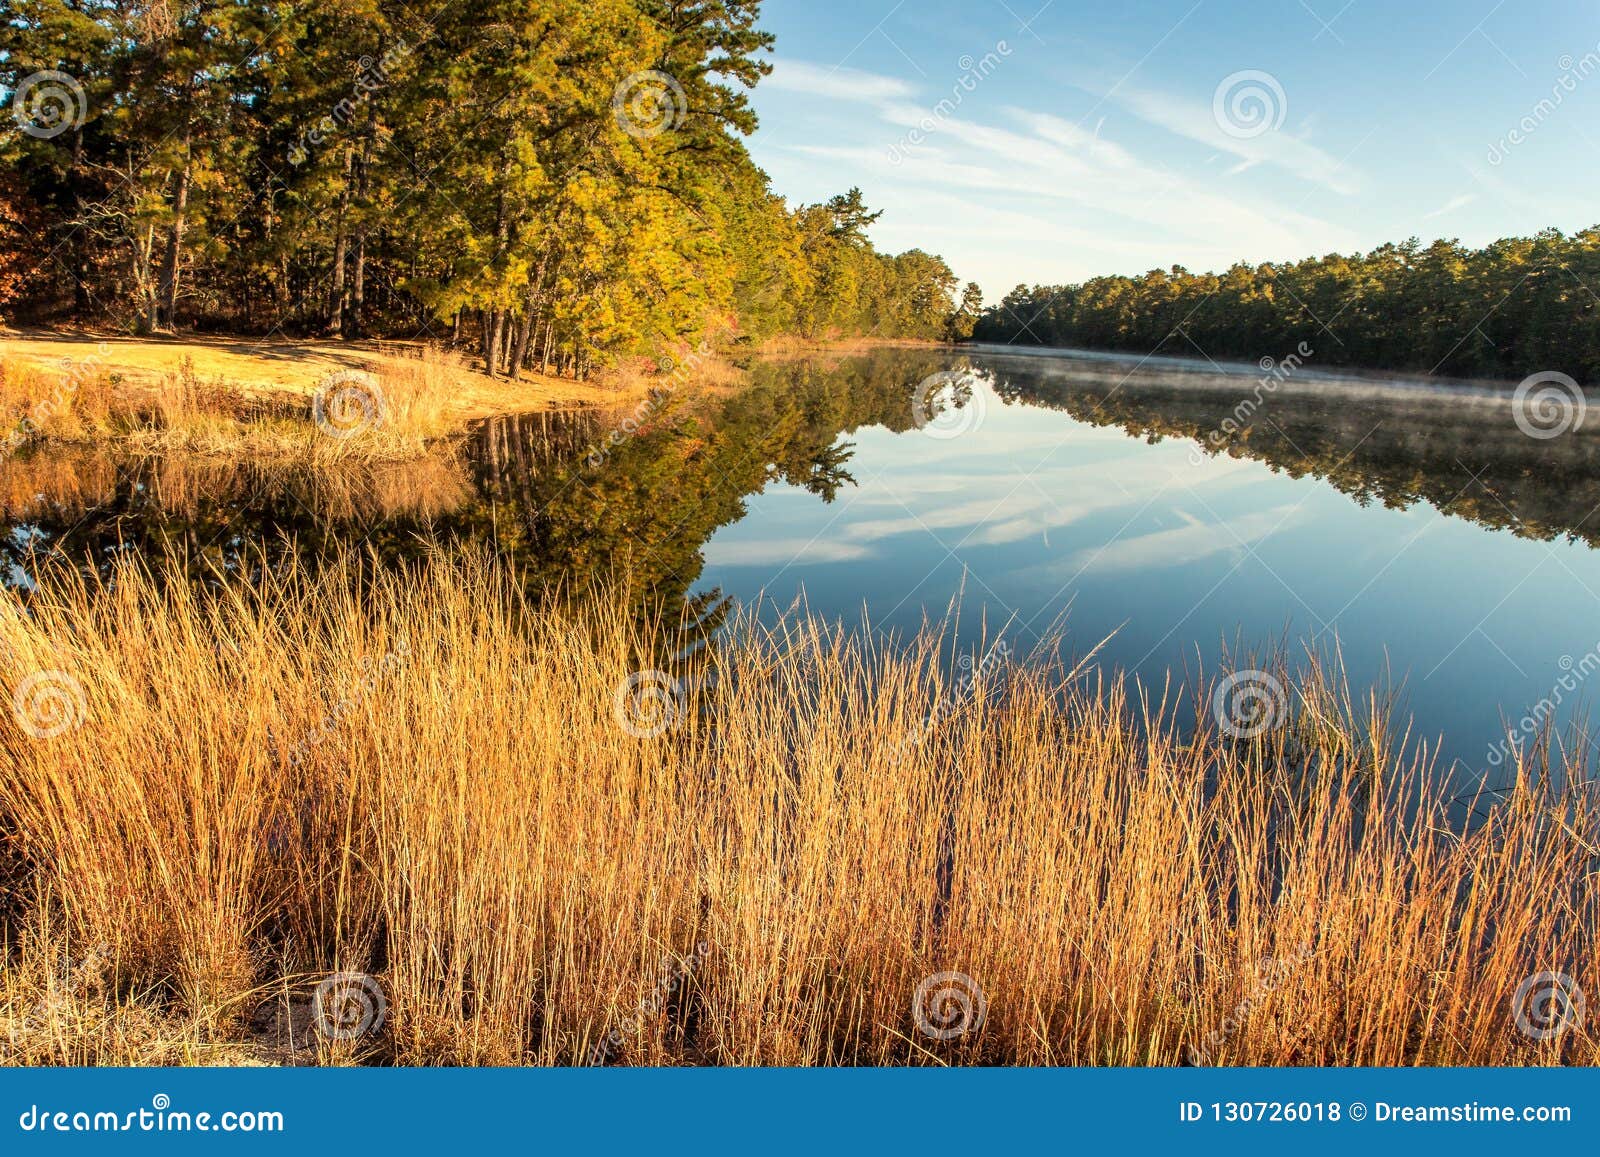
x=288, y=370
x=356, y=416
x=422, y=776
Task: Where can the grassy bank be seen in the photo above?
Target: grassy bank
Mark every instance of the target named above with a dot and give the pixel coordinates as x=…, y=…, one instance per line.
x=303, y=399
x=211, y=804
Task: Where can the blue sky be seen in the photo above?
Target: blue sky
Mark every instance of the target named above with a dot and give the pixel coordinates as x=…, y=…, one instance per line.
x=1102, y=138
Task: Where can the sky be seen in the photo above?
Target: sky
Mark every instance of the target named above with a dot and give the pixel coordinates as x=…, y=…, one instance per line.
x=1048, y=141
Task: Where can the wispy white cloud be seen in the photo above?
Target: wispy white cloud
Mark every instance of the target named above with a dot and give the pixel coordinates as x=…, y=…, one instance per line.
x=1276, y=147
x=1184, y=546
x=849, y=84
x=1451, y=206
x=1087, y=192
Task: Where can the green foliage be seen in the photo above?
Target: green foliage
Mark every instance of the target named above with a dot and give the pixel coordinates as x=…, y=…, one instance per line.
x=558, y=181
x=1509, y=309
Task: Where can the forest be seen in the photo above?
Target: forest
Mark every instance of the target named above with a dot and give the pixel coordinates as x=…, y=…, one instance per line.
x=555, y=183
x=1511, y=308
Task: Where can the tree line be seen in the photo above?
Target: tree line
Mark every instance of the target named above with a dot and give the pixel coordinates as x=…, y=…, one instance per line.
x=556, y=182
x=1511, y=308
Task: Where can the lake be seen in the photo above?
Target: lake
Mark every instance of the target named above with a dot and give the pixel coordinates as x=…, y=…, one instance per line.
x=1181, y=511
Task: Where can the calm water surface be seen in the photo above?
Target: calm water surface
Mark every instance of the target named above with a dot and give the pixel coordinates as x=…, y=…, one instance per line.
x=1445, y=552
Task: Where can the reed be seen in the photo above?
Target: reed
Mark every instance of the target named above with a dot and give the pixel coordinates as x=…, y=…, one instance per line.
x=375, y=417
x=214, y=799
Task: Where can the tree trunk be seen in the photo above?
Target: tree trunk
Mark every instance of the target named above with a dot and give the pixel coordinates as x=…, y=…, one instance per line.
x=169, y=267
x=524, y=331
x=358, y=298
x=341, y=245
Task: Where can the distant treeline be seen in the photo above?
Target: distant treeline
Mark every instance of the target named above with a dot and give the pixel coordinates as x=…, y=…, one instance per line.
x=1512, y=308
x=555, y=181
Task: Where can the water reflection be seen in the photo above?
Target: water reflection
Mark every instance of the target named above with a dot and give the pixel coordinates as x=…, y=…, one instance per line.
x=1043, y=483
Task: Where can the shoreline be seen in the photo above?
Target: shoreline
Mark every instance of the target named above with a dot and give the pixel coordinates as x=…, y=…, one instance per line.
x=240, y=395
